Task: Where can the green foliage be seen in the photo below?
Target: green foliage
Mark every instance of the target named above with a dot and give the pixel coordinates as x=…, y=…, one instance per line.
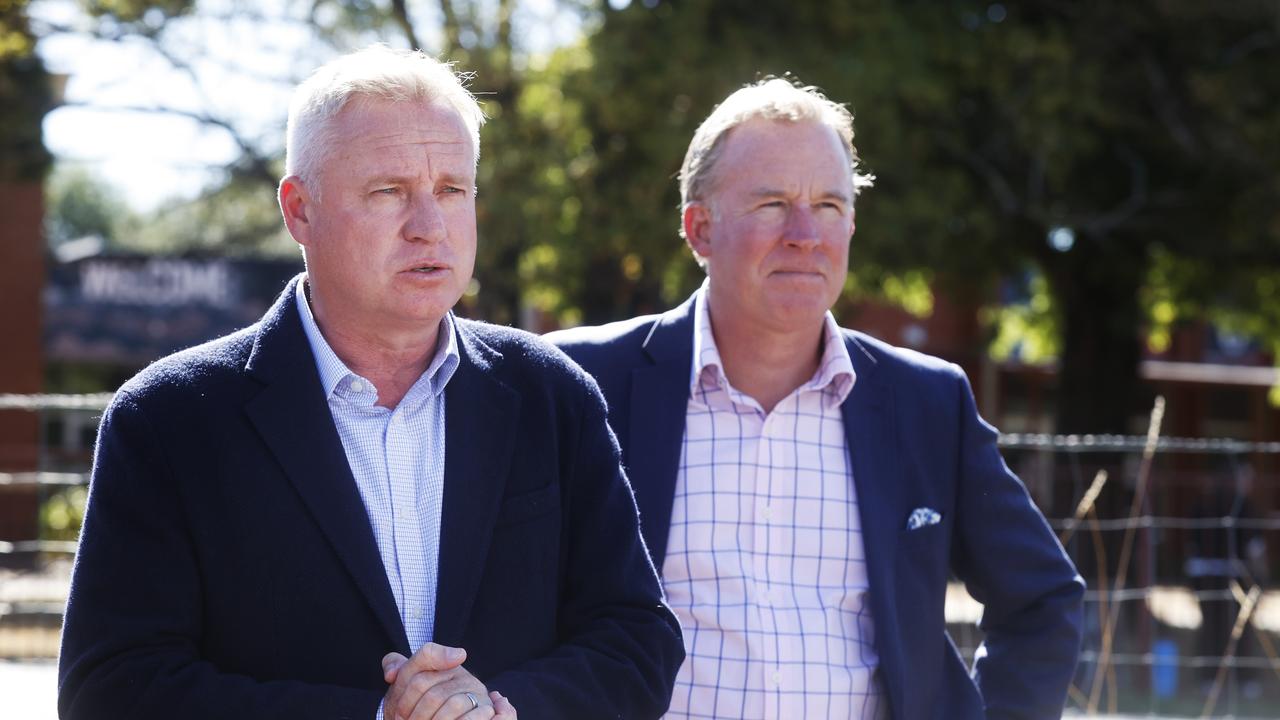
x=1024, y=331
x=136, y=16
x=16, y=40
x=535, y=156
x=62, y=514
x=1147, y=128
x=237, y=219
x=79, y=204
x=25, y=97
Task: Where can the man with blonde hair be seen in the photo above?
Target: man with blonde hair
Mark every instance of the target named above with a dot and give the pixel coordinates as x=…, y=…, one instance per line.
x=363, y=506
x=807, y=491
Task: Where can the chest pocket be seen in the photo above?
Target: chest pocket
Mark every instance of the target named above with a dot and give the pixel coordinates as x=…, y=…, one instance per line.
x=529, y=505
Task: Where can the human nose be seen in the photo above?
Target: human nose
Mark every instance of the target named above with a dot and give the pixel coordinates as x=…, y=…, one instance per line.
x=802, y=228
x=425, y=222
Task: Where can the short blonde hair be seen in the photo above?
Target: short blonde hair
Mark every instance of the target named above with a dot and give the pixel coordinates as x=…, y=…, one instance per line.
x=377, y=73
x=769, y=99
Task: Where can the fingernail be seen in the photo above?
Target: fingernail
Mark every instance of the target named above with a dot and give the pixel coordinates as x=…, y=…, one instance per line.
x=455, y=653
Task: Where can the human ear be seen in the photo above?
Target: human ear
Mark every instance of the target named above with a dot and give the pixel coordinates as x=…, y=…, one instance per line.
x=295, y=203
x=697, y=219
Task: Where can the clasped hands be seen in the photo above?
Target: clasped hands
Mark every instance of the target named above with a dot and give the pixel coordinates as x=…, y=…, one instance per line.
x=433, y=685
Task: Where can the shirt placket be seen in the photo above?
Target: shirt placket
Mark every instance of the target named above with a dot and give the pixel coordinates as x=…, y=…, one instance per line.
x=770, y=594
x=429, y=500
x=784, y=542
x=405, y=531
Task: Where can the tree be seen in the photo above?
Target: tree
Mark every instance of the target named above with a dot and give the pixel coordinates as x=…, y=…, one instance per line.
x=1125, y=132
x=524, y=198
x=79, y=205
x=1122, y=154
x=25, y=97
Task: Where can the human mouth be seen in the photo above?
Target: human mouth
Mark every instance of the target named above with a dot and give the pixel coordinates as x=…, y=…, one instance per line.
x=427, y=269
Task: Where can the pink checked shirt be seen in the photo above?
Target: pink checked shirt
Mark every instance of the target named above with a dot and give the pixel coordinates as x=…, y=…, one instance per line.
x=765, y=565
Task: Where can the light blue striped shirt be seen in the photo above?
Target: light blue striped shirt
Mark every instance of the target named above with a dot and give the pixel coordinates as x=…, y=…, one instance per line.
x=397, y=459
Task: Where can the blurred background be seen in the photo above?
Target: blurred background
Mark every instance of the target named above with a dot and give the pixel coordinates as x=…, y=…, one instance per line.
x=1078, y=202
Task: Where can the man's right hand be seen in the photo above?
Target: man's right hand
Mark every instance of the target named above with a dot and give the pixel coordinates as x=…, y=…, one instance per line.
x=433, y=685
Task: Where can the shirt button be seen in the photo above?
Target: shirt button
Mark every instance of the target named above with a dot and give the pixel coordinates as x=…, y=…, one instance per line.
x=357, y=386
x=777, y=678
x=767, y=512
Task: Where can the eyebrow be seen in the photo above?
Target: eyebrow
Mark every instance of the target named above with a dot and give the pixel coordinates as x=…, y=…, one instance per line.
x=379, y=180
x=767, y=192
x=447, y=178
x=466, y=181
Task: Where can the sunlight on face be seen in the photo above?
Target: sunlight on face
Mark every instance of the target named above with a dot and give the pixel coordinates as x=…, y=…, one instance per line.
x=780, y=219
x=391, y=245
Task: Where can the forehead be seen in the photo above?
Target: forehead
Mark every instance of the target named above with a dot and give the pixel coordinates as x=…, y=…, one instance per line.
x=370, y=131
x=761, y=150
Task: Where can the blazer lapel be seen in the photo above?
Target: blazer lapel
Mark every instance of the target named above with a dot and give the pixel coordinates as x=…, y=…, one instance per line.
x=481, y=416
x=659, y=402
x=870, y=429
x=292, y=416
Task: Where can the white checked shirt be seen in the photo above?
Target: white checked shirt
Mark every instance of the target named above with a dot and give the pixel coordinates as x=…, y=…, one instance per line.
x=397, y=459
x=765, y=566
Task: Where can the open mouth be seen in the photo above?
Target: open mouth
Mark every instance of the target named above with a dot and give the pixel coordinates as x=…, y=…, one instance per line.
x=426, y=269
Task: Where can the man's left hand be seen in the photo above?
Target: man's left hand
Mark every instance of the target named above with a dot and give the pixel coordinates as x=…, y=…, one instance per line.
x=433, y=685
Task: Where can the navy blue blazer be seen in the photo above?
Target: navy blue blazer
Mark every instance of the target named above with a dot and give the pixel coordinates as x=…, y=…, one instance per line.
x=915, y=440
x=227, y=567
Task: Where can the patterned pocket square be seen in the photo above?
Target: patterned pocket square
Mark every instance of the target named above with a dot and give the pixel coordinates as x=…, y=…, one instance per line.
x=923, y=517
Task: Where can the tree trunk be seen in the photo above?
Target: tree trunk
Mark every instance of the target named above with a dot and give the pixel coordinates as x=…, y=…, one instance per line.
x=1096, y=286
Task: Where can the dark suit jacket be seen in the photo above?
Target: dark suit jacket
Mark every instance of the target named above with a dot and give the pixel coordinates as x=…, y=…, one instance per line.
x=915, y=440
x=227, y=567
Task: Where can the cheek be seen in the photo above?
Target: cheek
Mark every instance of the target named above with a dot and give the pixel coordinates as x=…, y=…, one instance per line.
x=836, y=240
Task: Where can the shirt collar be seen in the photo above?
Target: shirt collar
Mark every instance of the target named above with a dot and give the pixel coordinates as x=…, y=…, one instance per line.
x=834, y=377
x=335, y=375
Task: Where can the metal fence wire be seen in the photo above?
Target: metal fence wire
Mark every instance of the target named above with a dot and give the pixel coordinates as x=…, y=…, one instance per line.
x=1178, y=539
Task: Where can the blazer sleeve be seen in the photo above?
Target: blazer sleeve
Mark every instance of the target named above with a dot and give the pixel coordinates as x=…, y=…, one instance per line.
x=132, y=634
x=621, y=645
x=1011, y=562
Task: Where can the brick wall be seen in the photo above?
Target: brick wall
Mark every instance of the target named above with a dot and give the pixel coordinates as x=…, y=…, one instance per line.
x=21, y=358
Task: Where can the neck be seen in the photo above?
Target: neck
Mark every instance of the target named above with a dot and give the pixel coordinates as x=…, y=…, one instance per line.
x=767, y=365
x=392, y=361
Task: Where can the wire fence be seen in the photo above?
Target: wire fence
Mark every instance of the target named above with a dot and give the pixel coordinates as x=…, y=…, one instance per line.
x=1178, y=538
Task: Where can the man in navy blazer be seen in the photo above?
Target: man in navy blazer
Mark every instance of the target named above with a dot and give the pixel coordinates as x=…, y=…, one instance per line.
x=363, y=506
x=775, y=456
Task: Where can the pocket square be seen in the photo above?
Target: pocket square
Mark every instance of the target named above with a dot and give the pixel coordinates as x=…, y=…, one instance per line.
x=923, y=517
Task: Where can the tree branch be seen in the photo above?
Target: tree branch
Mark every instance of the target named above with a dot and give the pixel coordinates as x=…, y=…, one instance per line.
x=452, y=33
x=250, y=165
x=401, y=15
x=1166, y=104
x=1106, y=222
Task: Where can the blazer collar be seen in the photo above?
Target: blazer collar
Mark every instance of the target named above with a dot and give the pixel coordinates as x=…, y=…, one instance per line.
x=659, y=402
x=872, y=434
x=670, y=340
x=482, y=416
x=292, y=415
